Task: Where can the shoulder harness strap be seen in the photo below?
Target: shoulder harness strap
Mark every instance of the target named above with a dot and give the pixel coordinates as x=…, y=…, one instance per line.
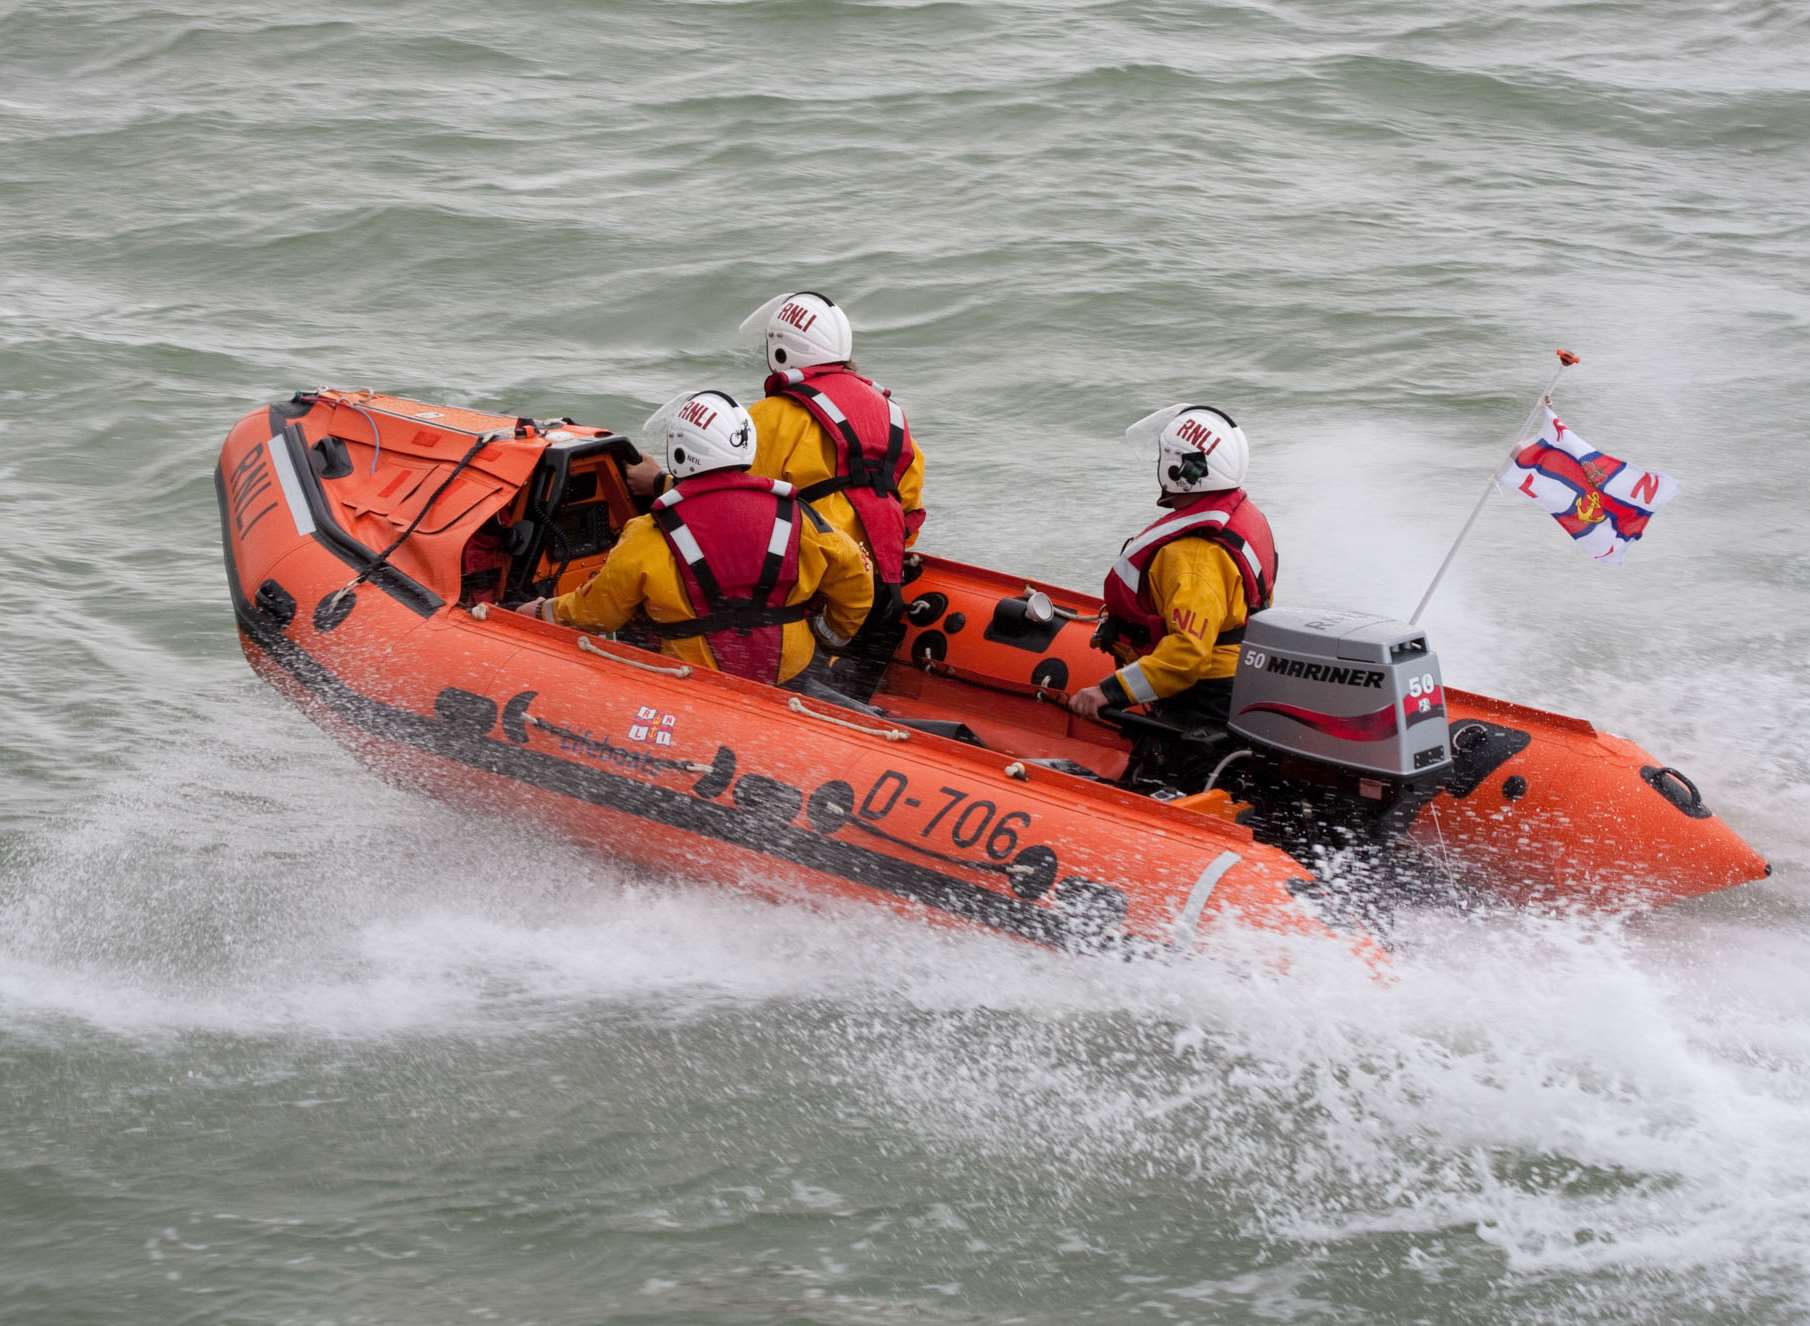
x=1240, y=549
x=726, y=614
x=667, y=517
x=862, y=473
x=785, y=516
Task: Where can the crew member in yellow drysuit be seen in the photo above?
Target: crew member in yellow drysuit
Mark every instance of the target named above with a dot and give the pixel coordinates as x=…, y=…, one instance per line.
x=844, y=443
x=728, y=566
x=1178, y=597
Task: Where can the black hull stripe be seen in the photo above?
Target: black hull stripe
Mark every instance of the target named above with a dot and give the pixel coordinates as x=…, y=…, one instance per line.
x=657, y=805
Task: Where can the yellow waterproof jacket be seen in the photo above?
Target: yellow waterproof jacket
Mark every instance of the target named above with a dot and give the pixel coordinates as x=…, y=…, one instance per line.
x=643, y=575
x=790, y=445
x=1195, y=585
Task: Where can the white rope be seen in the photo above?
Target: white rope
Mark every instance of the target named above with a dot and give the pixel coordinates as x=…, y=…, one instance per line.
x=1445, y=853
x=376, y=434
x=481, y=611
x=586, y=647
x=1213, y=778
x=797, y=706
x=1016, y=770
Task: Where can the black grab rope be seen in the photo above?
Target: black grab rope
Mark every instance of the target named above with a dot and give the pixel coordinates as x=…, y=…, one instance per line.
x=382, y=559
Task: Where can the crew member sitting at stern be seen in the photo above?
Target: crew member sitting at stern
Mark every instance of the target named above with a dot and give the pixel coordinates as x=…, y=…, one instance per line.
x=727, y=567
x=1179, y=595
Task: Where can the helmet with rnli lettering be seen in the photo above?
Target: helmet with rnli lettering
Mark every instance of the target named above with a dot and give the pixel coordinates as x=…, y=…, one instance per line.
x=801, y=330
x=1199, y=449
x=704, y=431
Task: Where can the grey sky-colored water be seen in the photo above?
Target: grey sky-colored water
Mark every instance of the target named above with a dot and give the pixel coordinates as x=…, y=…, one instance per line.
x=281, y=1044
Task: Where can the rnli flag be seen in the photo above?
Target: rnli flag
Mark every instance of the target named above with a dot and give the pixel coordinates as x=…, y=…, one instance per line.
x=1603, y=503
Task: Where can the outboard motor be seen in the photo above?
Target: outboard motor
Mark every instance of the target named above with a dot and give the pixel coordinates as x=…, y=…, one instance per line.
x=1347, y=689
x=1345, y=714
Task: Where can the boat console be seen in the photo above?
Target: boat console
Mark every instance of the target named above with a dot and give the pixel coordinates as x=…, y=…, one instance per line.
x=569, y=514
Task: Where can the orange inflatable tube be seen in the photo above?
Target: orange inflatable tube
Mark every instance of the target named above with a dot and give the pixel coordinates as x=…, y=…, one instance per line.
x=368, y=538
x=1540, y=807
x=662, y=766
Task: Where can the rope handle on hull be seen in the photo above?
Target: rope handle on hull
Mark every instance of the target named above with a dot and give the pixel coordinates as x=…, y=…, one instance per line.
x=797, y=706
x=1031, y=690
x=481, y=611
x=586, y=647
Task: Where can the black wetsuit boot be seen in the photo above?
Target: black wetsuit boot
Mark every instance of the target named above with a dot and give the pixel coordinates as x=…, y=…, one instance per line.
x=1162, y=763
x=861, y=665
x=817, y=682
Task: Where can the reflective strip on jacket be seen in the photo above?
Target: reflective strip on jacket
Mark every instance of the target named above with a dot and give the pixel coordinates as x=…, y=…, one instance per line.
x=1180, y=593
x=802, y=438
x=643, y=576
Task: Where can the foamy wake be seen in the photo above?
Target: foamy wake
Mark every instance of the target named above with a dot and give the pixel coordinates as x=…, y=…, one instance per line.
x=1624, y=1096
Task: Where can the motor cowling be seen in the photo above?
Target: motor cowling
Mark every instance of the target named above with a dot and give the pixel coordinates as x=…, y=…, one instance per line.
x=1352, y=690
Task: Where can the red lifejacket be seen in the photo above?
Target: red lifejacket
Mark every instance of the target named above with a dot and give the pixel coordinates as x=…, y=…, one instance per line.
x=873, y=451
x=736, y=541
x=481, y=565
x=1229, y=519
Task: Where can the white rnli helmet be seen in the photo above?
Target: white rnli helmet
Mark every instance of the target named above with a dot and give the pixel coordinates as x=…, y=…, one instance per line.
x=1199, y=449
x=704, y=431
x=800, y=330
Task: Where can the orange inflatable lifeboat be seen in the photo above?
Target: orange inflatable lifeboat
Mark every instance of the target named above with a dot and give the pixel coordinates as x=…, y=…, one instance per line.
x=368, y=540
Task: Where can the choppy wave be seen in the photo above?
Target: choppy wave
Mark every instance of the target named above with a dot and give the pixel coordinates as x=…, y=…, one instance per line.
x=1536, y=1102
x=263, y=1029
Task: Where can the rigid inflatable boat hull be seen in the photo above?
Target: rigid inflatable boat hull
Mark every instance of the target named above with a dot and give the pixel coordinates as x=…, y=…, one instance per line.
x=713, y=776
x=709, y=775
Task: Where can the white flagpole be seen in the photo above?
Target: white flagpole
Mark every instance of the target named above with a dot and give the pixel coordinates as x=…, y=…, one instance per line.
x=1566, y=360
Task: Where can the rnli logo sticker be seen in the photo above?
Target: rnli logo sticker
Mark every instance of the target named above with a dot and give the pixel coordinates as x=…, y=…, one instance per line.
x=797, y=315
x=650, y=725
x=1198, y=436
x=694, y=411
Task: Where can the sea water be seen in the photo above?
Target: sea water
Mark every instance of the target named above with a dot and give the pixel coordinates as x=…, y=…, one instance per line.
x=281, y=1044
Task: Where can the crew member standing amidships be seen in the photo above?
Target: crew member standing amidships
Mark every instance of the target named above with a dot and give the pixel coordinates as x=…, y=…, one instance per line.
x=727, y=567
x=1179, y=595
x=844, y=444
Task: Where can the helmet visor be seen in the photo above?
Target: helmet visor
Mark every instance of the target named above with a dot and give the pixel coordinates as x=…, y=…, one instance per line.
x=753, y=331
x=653, y=428
x=1146, y=434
